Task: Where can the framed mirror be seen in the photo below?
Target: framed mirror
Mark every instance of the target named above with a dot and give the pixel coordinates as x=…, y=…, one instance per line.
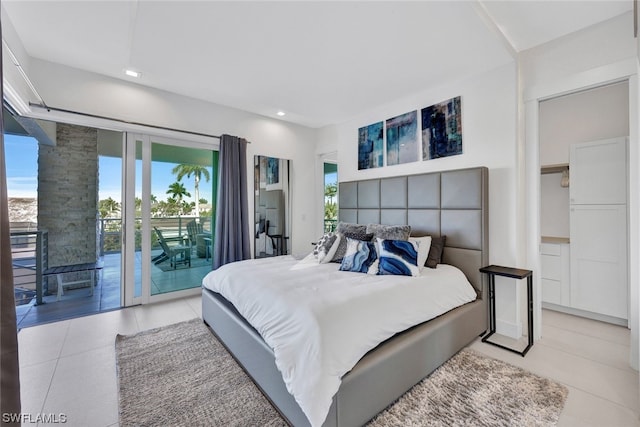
x=272, y=203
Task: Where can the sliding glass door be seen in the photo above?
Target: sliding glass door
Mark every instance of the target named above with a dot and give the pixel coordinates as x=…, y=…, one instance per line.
x=170, y=191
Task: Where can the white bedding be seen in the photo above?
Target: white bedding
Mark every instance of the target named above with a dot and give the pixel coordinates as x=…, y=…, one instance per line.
x=320, y=321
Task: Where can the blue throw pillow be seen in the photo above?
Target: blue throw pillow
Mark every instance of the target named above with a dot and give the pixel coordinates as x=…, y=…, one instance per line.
x=398, y=257
x=342, y=245
x=360, y=257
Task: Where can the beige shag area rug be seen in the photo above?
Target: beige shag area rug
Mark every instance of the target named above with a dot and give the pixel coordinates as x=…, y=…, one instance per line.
x=181, y=375
x=475, y=390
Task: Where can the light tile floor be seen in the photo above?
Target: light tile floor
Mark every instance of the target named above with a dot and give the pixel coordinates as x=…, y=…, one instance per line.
x=592, y=359
x=69, y=366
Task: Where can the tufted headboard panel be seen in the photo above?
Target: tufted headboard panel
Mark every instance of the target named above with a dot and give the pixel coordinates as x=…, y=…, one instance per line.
x=453, y=203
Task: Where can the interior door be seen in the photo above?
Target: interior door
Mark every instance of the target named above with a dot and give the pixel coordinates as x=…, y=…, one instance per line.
x=599, y=259
x=598, y=172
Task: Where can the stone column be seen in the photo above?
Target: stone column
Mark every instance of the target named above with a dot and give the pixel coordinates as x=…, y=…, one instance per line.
x=68, y=194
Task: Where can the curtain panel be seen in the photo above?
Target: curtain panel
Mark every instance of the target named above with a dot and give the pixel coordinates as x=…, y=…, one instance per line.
x=9, y=366
x=231, y=239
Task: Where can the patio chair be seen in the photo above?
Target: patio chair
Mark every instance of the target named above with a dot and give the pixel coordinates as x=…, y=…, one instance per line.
x=177, y=254
x=193, y=229
x=198, y=238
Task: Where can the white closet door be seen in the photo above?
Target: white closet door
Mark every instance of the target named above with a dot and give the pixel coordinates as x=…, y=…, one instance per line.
x=599, y=259
x=598, y=172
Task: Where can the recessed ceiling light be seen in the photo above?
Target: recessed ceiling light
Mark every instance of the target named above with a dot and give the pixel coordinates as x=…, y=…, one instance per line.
x=132, y=73
x=280, y=113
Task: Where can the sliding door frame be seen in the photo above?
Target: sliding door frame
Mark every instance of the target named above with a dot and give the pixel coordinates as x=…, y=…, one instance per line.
x=130, y=149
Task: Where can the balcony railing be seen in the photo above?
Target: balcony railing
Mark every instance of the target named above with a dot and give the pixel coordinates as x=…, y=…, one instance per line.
x=29, y=258
x=330, y=225
x=29, y=249
x=110, y=231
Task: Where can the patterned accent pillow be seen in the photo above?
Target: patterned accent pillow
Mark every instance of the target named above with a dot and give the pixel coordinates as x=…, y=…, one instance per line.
x=324, y=243
x=435, y=251
x=342, y=247
x=326, y=253
x=360, y=257
x=398, y=257
x=389, y=232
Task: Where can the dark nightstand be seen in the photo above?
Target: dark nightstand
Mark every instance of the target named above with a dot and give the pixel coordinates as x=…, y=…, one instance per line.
x=515, y=273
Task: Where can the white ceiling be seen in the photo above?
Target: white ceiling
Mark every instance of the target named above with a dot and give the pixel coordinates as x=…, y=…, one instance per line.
x=320, y=62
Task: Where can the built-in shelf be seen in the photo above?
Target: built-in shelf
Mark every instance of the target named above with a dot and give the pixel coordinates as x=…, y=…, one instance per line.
x=554, y=168
x=554, y=239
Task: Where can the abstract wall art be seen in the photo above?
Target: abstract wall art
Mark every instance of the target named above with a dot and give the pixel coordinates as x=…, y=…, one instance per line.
x=442, y=129
x=273, y=170
x=370, y=146
x=402, y=141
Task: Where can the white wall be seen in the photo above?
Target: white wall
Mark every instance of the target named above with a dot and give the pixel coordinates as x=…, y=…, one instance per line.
x=598, y=55
x=554, y=206
x=76, y=90
x=578, y=53
x=599, y=113
x=489, y=134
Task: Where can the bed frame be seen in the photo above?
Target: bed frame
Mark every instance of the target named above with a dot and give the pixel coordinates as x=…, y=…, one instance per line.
x=452, y=203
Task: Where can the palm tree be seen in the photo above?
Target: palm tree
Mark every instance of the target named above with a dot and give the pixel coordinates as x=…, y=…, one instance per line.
x=138, y=202
x=171, y=207
x=330, y=207
x=178, y=192
x=108, y=207
x=330, y=191
x=331, y=211
x=154, y=205
x=198, y=172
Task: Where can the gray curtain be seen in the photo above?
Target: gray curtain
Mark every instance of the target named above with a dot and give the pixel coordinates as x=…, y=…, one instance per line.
x=9, y=367
x=231, y=239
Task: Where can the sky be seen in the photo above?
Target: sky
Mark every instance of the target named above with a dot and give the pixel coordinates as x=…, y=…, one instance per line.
x=22, y=170
x=331, y=178
x=21, y=159
x=21, y=156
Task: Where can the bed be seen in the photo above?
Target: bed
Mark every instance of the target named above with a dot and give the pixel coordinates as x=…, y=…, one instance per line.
x=451, y=203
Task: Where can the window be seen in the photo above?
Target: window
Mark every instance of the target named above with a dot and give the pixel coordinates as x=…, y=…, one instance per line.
x=330, y=196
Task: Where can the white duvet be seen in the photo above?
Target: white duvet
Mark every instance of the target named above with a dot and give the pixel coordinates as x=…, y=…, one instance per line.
x=320, y=321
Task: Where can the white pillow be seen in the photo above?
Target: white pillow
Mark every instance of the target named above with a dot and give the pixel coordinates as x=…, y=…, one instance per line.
x=325, y=257
x=309, y=261
x=424, y=244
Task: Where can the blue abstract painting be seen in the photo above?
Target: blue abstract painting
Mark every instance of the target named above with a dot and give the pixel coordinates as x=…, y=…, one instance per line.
x=370, y=146
x=402, y=141
x=273, y=170
x=442, y=129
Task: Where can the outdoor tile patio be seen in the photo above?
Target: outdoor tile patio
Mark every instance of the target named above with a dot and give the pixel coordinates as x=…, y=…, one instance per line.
x=106, y=295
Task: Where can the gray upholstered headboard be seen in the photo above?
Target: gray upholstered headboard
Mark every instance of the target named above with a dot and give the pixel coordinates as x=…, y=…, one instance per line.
x=452, y=203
